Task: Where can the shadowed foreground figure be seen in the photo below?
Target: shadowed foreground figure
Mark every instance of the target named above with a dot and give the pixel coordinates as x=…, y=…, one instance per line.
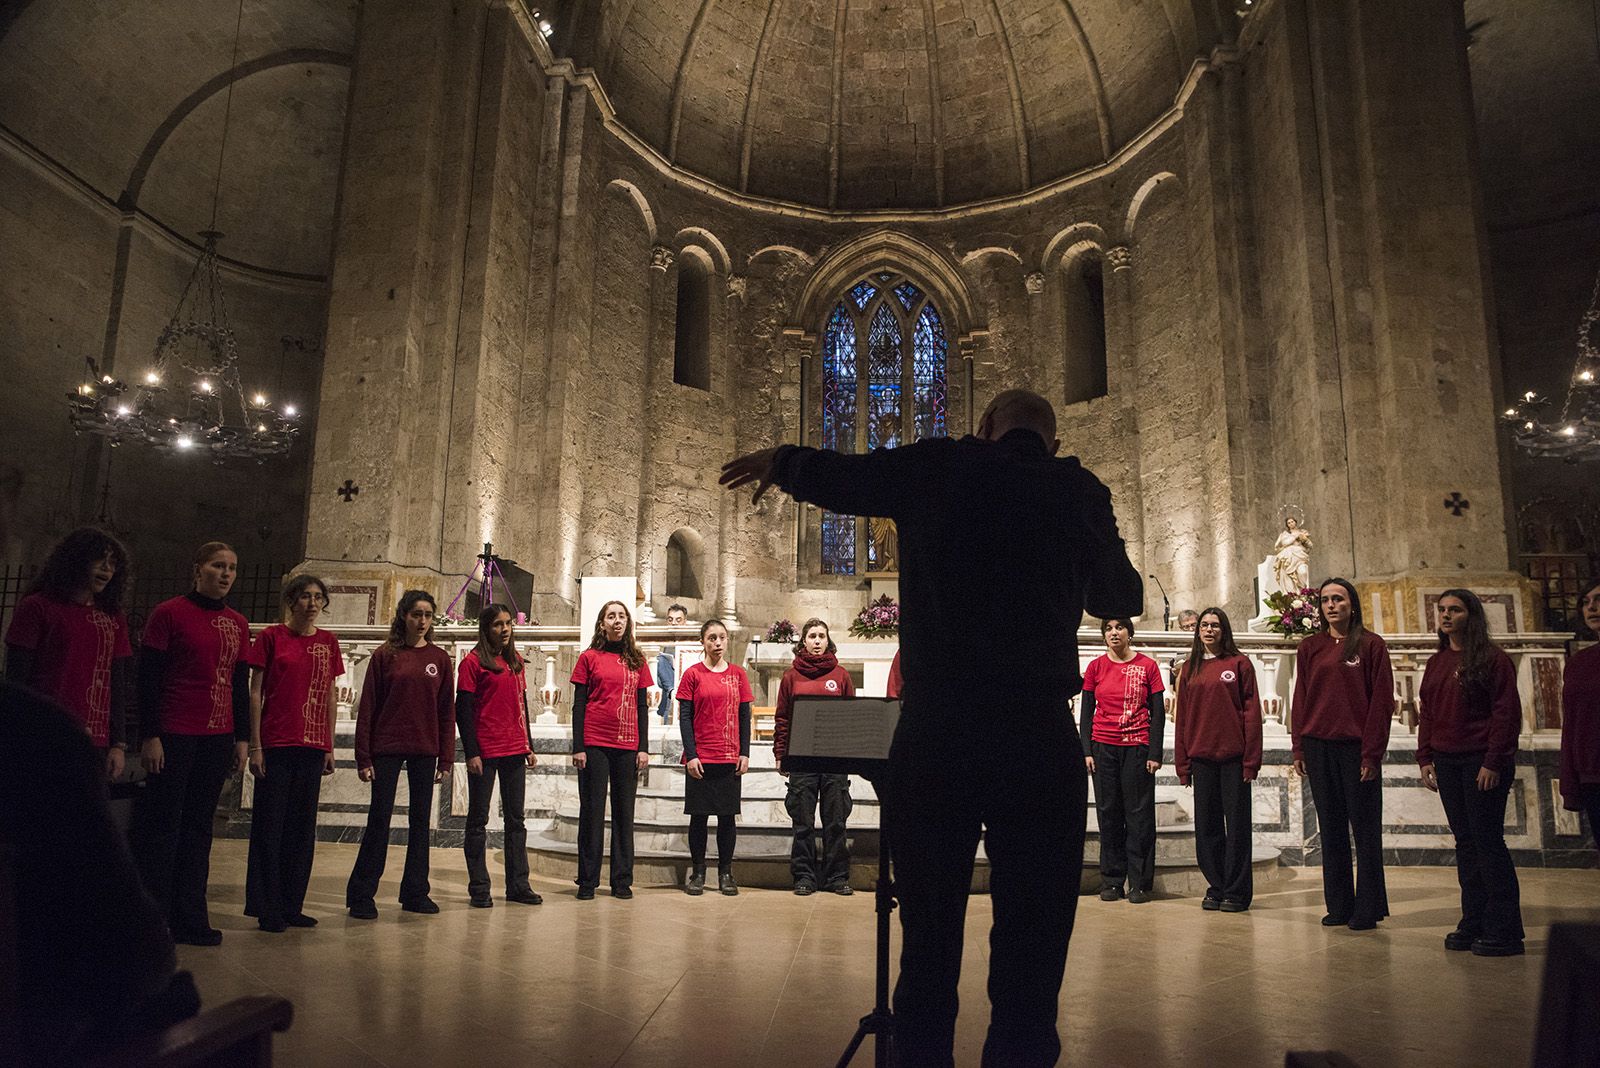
x=994, y=531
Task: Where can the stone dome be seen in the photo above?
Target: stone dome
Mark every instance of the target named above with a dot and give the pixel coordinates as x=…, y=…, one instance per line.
x=887, y=104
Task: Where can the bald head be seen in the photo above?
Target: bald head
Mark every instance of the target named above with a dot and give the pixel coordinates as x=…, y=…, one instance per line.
x=1019, y=409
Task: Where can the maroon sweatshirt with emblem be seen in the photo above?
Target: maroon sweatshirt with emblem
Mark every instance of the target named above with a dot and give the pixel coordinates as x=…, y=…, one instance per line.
x=1219, y=716
x=809, y=676
x=407, y=705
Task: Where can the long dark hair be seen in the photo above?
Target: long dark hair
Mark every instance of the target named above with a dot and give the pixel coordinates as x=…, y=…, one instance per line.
x=1478, y=651
x=397, y=626
x=805, y=628
x=631, y=653
x=488, y=655
x=1357, y=629
x=1197, y=648
x=1589, y=590
x=66, y=569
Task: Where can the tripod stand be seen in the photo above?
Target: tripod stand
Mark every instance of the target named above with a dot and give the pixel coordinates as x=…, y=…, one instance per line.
x=879, y=1023
x=489, y=564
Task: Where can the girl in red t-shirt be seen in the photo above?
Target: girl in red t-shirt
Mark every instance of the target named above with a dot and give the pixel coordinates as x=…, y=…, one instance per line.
x=1122, y=723
x=294, y=665
x=68, y=638
x=406, y=719
x=714, y=718
x=1218, y=749
x=610, y=740
x=492, y=715
x=194, y=714
x=1467, y=733
x=814, y=673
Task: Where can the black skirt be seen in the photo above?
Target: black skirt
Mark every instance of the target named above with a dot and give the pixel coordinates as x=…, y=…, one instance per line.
x=715, y=795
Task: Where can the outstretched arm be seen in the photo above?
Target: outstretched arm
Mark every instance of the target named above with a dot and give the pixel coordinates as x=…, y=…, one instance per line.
x=871, y=484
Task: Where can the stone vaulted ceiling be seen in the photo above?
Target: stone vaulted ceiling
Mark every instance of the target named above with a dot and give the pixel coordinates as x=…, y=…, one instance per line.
x=861, y=104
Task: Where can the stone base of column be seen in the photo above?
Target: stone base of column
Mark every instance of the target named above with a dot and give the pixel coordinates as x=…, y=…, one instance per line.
x=1403, y=603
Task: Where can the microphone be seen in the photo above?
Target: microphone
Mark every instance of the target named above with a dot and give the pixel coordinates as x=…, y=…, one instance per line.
x=1166, y=605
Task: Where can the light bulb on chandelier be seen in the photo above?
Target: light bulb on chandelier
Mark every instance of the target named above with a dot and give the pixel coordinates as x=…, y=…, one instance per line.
x=1574, y=434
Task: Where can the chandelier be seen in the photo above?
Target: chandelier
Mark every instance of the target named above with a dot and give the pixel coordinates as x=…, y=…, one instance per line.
x=192, y=397
x=1575, y=433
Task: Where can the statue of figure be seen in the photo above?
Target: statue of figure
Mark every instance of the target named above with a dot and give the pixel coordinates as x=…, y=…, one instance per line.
x=1291, y=557
x=885, y=545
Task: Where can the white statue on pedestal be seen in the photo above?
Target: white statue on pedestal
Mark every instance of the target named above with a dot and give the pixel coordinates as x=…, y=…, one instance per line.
x=1291, y=557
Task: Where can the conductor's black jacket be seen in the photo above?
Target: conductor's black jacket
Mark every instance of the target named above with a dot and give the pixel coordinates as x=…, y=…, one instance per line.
x=1002, y=548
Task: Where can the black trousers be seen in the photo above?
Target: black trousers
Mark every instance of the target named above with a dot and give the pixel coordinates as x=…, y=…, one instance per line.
x=807, y=792
x=1011, y=771
x=1222, y=836
x=171, y=829
x=616, y=770
x=1125, y=804
x=1346, y=806
x=1589, y=798
x=1491, y=898
x=511, y=770
x=727, y=837
x=283, y=833
x=374, y=855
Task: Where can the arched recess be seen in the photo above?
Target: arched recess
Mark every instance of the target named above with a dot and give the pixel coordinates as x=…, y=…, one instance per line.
x=691, y=343
x=1150, y=187
x=886, y=250
x=627, y=189
x=709, y=243
x=1083, y=322
x=685, y=572
x=1070, y=237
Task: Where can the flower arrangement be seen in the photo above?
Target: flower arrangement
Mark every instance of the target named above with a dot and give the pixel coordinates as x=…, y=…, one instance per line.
x=1294, y=615
x=781, y=631
x=879, y=619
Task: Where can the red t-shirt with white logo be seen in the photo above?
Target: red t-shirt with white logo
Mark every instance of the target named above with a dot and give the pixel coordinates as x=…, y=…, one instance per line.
x=611, y=718
x=717, y=696
x=498, y=706
x=73, y=647
x=1121, y=690
x=297, y=687
x=202, y=646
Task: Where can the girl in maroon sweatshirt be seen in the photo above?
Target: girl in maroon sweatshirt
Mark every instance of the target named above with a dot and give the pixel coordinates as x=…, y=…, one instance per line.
x=1217, y=749
x=1466, y=746
x=406, y=718
x=1339, y=723
x=815, y=673
x=1580, y=723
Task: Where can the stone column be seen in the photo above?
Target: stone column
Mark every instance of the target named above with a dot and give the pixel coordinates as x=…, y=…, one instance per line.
x=1122, y=388
x=657, y=377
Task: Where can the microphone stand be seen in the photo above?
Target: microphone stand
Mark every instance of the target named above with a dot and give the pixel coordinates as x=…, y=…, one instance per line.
x=1166, y=605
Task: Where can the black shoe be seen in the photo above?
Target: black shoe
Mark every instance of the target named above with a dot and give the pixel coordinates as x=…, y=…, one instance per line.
x=1234, y=906
x=695, y=885
x=525, y=897
x=842, y=889
x=364, y=910
x=1210, y=904
x=300, y=919
x=585, y=893
x=484, y=902
x=804, y=889
x=423, y=905
x=205, y=936
x=1497, y=947
x=272, y=926
x=1362, y=924
x=1460, y=941
x=730, y=888
x=1330, y=920
x=1138, y=897
x=622, y=892
x=1110, y=892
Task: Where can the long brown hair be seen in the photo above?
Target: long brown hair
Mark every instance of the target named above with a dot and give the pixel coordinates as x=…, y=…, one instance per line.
x=1478, y=651
x=66, y=569
x=631, y=653
x=1197, y=648
x=1357, y=629
x=488, y=655
x=397, y=626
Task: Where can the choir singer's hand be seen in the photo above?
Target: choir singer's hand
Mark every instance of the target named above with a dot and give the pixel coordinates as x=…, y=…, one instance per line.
x=580, y=760
x=1152, y=766
x=752, y=467
x=744, y=765
x=1088, y=763
x=696, y=769
x=116, y=760
x=1488, y=778
x=327, y=764
x=1300, y=767
x=1368, y=773
x=475, y=765
x=152, y=756
x=643, y=761
x=1430, y=778
x=366, y=774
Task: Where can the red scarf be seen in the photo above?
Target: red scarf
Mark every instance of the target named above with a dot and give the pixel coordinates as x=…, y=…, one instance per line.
x=814, y=667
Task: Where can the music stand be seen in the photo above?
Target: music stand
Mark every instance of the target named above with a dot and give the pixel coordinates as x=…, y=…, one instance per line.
x=851, y=736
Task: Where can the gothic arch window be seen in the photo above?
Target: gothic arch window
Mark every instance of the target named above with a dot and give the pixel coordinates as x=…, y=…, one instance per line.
x=1083, y=297
x=685, y=550
x=691, y=349
x=883, y=384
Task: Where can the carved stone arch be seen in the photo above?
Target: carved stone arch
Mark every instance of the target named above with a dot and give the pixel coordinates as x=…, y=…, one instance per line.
x=1141, y=197
x=778, y=251
x=1071, y=237
x=892, y=251
x=712, y=246
x=625, y=188
x=969, y=258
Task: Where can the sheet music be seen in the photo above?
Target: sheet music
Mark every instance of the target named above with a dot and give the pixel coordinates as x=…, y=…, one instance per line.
x=858, y=728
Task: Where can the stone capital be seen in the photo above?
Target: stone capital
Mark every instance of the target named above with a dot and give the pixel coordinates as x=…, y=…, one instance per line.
x=1120, y=257
x=1035, y=283
x=661, y=257
x=736, y=286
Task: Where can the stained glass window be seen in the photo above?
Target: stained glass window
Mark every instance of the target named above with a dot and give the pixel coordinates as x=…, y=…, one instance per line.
x=883, y=384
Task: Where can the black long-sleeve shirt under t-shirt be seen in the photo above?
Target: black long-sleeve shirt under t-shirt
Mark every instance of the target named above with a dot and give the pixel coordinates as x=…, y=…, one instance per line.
x=998, y=539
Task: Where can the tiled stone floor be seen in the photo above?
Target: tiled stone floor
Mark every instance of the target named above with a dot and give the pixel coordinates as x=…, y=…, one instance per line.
x=769, y=978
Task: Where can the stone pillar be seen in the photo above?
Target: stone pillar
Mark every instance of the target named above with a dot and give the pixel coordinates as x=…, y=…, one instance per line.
x=1123, y=390
x=657, y=377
